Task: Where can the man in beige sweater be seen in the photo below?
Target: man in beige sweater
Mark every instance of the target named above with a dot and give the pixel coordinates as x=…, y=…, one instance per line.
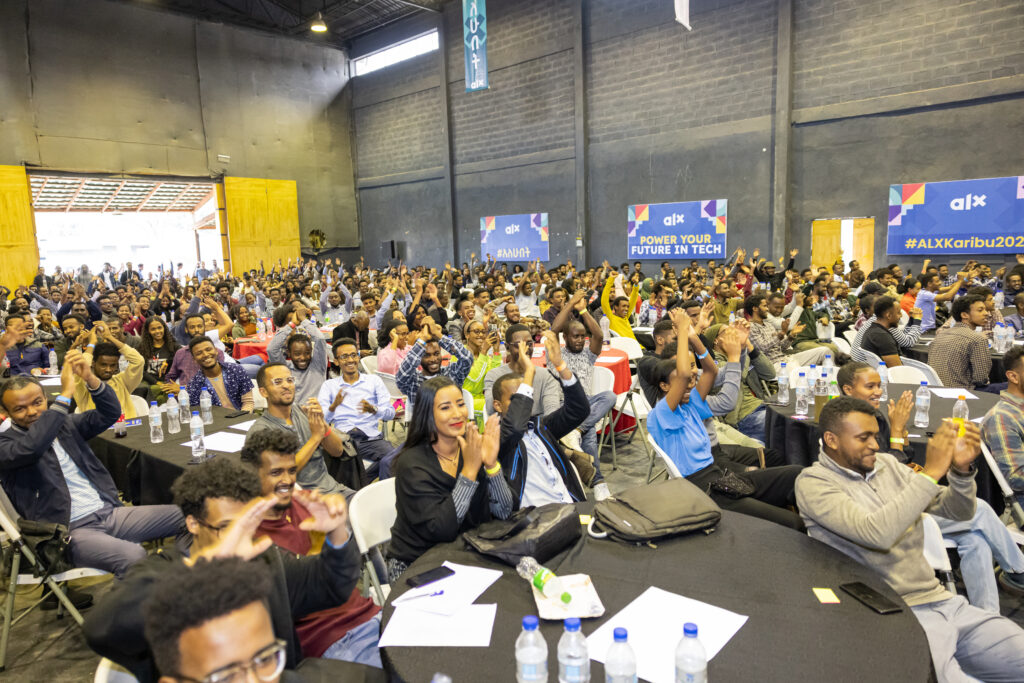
x=104, y=356
x=867, y=505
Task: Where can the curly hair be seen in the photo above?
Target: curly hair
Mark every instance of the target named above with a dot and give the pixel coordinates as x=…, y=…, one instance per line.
x=217, y=478
x=259, y=441
x=185, y=597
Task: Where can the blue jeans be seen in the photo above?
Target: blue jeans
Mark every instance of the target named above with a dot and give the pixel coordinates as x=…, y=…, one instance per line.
x=599, y=405
x=977, y=541
x=360, y=645
x=753, y=425
x=251, y=365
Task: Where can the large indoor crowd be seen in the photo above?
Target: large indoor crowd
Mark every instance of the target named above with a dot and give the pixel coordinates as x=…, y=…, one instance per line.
x=491, y=372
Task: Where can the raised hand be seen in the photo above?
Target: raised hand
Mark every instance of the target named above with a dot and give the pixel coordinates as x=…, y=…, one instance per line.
x=490, y=440
x=967, y=446
x=899, y=414
x=472, y=453
x=729, y=340
x=552, y=348
x=328, y=511
x=236, y=540
x=939, y=455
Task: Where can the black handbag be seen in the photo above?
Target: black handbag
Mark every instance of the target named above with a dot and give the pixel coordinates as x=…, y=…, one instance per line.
x=50, y=543
x=732, y=485
x=538, y=532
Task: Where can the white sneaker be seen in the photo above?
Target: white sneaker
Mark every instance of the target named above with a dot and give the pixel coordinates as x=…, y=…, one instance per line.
x=601, y=491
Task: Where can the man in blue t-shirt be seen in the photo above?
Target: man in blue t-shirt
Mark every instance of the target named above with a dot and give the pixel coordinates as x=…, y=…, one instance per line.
x=677, y=425
x=933, y=293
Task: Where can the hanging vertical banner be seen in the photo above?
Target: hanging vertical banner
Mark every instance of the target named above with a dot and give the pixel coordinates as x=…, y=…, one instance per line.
x=474, y=34
x=523, y=237
x=683, y=13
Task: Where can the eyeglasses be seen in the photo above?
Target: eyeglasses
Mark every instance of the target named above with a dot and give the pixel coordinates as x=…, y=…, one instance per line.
x=348, y=356
x=214, y=529
x=267, y=664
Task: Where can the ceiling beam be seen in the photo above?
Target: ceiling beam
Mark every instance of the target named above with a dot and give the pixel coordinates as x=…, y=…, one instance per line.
x=142, y=204
x=113, y=196
x=177, y=197
x=40, y=190
x=81, y=184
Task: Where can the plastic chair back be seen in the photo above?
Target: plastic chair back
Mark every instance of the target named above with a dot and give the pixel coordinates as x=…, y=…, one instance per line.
x=369, y=365
x=372, y=513
x=629, y=345
x=851, y=335
x=905, y=374
x=673, y=471
x=140, y=405
x=468, y=398
x=842, y=345
x=927, y=370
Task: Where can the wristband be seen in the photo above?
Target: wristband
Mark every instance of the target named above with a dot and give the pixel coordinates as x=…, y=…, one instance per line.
x=929, y=478
x=703, y=355
x=90, y=346
x=491, y=472
x=64, y=401
x=561, y=367
x=897, y=442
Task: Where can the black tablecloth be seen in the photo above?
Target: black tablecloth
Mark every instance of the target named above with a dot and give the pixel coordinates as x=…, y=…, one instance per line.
x=144, y=471
x=919, y=351
x=748, y=566
x=798, y=440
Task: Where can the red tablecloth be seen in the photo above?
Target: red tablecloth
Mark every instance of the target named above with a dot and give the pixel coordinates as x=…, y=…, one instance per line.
x=250, y=346
x=615, y=360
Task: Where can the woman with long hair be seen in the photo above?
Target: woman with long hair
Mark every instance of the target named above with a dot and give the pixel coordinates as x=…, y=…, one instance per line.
x=484, y=344
x=909, y=289
x=245, y=326
x=447, y=477
x=157, y=349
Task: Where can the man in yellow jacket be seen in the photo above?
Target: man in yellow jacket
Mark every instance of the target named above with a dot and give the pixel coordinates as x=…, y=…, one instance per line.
x=105, y=357
x=618, y=311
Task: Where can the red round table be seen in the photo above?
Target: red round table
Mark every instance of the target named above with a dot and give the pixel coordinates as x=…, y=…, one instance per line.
x=615, y=360
x=250, y=346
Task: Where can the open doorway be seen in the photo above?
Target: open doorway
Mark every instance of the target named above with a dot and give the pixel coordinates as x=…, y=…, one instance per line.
x=843, y=239
x=155, y=222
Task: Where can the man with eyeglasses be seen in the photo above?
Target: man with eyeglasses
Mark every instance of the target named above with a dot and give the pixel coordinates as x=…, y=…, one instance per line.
x=223, y=509
x=277, y=384
x=355, y=403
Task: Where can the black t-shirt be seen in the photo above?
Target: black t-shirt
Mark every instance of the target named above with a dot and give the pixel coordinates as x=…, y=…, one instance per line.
x=878, y=340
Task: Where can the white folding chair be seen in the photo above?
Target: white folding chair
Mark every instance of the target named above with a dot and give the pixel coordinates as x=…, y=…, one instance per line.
x=935, y=551
x=109, y=672
x=842, y=345
x=629, y=345
x=372, y=513
x=670, y=467
x=468, y=398
x=9, y=523
x=258, y=402
x=631, y=404
x=926, y=370
x=368, y=365
x=905, y=374
x=864, y=356
x=1016, y=511
x=851, y=335
x=603, y=380
x=140, y=405
x=392, y=386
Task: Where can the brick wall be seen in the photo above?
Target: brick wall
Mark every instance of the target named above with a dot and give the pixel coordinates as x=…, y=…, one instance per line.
x=665, y=78
x=848, y=50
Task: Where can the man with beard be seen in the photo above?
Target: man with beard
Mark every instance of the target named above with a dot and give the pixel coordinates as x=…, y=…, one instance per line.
x=305, y=420
x=547, y=395
x=227, y=383
x=347, y=632
x=357, y=328
x=299, y=344
x=104, y=357
x=466, y=311
x=72, y=326
x=28, y=356
x=355, y=403
x=424, y=361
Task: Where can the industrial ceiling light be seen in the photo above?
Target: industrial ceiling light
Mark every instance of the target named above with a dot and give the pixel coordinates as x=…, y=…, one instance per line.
x=318, y=24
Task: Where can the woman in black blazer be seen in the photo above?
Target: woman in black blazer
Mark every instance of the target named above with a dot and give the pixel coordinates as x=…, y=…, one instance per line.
x=448, y=479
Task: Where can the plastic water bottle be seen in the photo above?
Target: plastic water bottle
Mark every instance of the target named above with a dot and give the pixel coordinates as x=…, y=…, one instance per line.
x=732, y=317
x=820, y=392
x=883, y=374
x=531, y=653
x=783, y=380
x=999, y=336
x=195, y=428
x=922, y=403
x=833, y=390
x=206, y=407
x=606, y=330
x=54, y=370
x=803, y=398
x=573, y=660
x=441, y=678
x=543, y=579
x=261, y=330
x=961, y=414
x=184, y=411
x=999, y=298
x=620, y=662
x=156, y=423
x=830, y=368
x=691, y=659
x=171, y=408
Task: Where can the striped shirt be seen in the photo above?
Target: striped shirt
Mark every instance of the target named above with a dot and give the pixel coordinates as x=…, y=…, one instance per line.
x=905, y=337
x=85, y=499
x=1003, y=431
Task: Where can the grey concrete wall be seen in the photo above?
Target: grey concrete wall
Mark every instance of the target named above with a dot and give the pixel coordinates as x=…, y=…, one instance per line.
x=106, y=87
x=920, y=90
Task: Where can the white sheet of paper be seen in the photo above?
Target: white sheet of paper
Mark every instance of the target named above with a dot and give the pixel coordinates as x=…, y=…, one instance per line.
x=50, y=381
x=655, y=623
x=951, y=392
x=222, y=442
x=243, y=426
x=459, y=590
x=469, y=627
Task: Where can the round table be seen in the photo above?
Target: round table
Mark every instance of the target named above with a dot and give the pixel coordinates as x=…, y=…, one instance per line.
x=615, y=360
x=747, y=565
x=250, y=346
x=920, y=350
x=798, y=440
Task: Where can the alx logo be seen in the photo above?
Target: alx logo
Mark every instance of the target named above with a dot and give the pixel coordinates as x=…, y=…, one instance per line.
x=674, y=219
x=968, y=202
x=512, y=229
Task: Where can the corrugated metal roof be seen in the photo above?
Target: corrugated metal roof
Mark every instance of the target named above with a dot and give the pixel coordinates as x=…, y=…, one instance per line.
x=69, y=193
